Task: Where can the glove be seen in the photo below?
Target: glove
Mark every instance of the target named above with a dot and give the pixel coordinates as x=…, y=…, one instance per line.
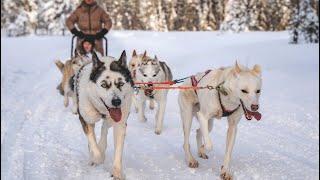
x=101, y=33
x=77, y=33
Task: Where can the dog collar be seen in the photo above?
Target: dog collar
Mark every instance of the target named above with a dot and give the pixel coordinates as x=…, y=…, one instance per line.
x=225, y=112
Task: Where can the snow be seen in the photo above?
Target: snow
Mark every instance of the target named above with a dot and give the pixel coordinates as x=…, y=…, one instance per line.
x=40, y=139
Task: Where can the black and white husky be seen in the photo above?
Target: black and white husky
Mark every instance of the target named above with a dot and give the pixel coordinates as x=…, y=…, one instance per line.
x=153, y=70
x=104, y=90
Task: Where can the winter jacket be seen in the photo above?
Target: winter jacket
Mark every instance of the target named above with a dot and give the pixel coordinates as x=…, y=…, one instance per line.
x=90, y=19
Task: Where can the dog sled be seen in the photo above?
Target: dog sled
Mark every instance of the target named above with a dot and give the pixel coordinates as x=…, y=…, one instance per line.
x=72, y=54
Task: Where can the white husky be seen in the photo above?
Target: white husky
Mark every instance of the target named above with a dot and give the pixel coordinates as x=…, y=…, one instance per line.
x=153, y=70
x=134, y=65
x=237, y=92
x=104, y=90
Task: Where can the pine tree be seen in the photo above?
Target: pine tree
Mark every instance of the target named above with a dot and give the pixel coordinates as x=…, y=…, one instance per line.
x=305, y=23
x=237, y=16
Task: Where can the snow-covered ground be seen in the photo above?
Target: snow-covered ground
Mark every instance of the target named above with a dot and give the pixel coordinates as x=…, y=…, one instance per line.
x=40, y=139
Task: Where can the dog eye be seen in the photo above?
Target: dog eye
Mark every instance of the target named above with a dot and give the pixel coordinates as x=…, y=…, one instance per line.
x=154, y=75
x=132, y=65
x=244, y=91
x=258, y=91
x=104, y=84
x=144, y=75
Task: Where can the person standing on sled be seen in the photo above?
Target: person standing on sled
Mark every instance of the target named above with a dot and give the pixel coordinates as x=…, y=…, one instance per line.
x=92, y=23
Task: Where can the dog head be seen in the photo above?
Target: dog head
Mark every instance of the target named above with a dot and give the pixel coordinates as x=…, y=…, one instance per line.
x=149, y=70
x=246, y=85
x=135, y=62
x=112, y=82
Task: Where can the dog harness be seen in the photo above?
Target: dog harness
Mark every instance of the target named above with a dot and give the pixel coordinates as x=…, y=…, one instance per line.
x=225, y=112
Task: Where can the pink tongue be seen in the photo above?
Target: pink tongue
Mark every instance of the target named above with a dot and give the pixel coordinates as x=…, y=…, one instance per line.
x=256, y=115
x=115, y=114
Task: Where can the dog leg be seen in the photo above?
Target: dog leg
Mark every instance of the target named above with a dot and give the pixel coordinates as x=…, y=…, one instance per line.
x=103, y=138
x=201, y=149
x=135, y=103
x=119, y=132
x=231, y=135
x=204, y=127
x=74, y=104
x=141, y=108
x=160, y=115
x=66, y=100
x=186, y=117
x=95, y=154
x=151, y=104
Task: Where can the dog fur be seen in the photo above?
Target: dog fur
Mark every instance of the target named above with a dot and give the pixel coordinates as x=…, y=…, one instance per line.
x=205, y=106
x=99, y=85
x=153, y=70
x=68, y=70
x=134, y=65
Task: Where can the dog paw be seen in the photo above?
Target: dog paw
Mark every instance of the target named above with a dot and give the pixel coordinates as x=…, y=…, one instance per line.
x=203, y=156
x=117, y=175
x=157, y=132
x=193, y=164
x=225, y=174
x=97, y=157
x=202, y=153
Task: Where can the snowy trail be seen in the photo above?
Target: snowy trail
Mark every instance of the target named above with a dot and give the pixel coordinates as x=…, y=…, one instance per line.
x=40, y=139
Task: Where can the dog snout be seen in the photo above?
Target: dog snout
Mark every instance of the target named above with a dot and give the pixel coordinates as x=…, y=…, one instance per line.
x=116, y=102
x=254, y=107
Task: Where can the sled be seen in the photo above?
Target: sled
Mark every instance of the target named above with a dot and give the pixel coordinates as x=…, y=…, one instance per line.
x=72, y=46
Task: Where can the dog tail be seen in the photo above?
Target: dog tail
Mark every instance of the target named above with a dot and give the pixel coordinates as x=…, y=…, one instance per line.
x=60, y=65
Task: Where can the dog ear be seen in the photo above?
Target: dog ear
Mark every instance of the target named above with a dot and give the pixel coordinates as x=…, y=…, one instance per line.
x=134, y=54
x=123, y=59
x=256, y=70
x=237, y=68
x=95, y=60
x=60, y=65
x=144, y=54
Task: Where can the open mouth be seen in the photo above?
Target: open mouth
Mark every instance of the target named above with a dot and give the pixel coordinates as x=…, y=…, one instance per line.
x=115, y=114
x=249, y=114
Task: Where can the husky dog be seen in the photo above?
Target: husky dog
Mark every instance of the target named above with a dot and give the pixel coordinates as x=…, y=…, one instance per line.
x=104, y=90
x=68, y=70
x=134, y=65
x=237, y=92
x=153, y=70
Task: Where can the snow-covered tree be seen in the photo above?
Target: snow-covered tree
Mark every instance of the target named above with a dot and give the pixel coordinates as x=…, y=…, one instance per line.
x=305, y=23
x=237, y=16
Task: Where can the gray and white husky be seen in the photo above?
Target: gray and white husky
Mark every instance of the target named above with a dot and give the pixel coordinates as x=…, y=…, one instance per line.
x=237, y=93
x=153, y=70
x=134, y=65
x=104, y=90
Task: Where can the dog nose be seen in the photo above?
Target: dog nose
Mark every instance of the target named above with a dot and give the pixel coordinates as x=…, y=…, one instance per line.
x=116, y=102
x=254, y=107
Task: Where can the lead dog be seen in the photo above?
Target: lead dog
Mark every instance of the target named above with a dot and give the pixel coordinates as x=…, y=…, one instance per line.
x=104, y=91
x=237, y=92
x=134, y=65
x=153, y=70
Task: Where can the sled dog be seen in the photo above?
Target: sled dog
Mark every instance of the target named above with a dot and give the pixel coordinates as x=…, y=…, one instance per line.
x=68, y=70
x=104, y=91
x=134, y=65
x=153, y=70
x=236, y=93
